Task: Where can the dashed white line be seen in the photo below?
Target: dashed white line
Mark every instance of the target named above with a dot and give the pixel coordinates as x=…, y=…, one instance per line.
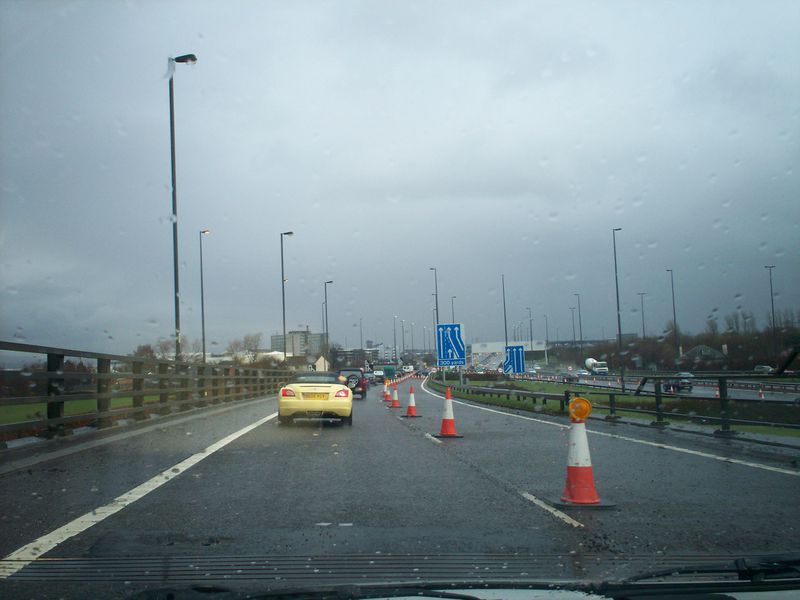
x=553, y=511
x=30, y=552
x=433, y=439
x=625, y=438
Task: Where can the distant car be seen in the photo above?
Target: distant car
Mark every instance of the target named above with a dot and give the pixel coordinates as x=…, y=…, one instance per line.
x=682, y=382
x=379, y=375
x=315, y=394
x=583, y=373
x=766, y=369
x=356, y=381
x=424, y=372
x=408, y=368
x=567, y=377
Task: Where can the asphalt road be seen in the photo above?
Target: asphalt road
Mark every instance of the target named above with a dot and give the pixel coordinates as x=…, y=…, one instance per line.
x=384, y=488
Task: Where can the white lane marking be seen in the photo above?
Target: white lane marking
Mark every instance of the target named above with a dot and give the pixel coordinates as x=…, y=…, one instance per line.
x=30, y=552
x=433, y=439
x=553, y=511
x=160, y=423
x=499, y=412
x=734, y=461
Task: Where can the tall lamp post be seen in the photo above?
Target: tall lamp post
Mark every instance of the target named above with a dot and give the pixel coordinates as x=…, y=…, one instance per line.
x=403, y=336
x=327, y=327
x=530, y=326
x=580, y=322
x=619, y=318
x=772, y=302
x=183, y=59
x=202, y=295
x=674, y=314
x=283, y=294
x=412, y=340
x=394, y=334
x=452, y=309
x=436, y=290
x=505, y=319
x=572, y=311
x=641, y=298
x=546, y=339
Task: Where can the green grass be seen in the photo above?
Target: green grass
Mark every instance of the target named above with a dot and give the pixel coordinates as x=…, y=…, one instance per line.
x=19, y=413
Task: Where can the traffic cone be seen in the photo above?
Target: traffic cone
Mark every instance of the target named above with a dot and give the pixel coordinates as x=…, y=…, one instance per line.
x=411, y=411
x=395, y=400
x=385, y=386
x=761, y=392
x=448, y=429
x=579, y=490
x=386, y=396
x=716, y=392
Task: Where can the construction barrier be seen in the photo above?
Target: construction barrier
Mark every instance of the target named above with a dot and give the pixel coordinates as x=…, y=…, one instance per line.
x=411, y=411
x=448, y=428
x=580, y=490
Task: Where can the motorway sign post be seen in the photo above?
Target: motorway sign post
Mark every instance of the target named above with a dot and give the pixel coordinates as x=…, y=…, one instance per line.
x=515, y=359
x=452, y=352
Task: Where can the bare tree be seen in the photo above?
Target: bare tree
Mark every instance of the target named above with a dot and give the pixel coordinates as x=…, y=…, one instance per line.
x=250, y=343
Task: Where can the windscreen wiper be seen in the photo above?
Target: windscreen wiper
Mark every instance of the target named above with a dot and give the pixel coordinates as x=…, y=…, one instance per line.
x=755, y=570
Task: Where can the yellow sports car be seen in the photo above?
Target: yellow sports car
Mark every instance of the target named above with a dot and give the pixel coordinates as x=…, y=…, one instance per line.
x=315, y=394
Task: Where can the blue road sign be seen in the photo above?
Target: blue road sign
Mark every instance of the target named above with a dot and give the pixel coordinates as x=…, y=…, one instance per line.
x=515, y=359
x=452, y=352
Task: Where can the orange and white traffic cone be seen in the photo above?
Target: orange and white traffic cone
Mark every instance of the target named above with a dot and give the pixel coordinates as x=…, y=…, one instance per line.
x=579, y=490
x=395, y=400
x=411, y=411
x=448, y=429
x=716, y=392
x=386, y=396
x=385, y=386
x=761, y=392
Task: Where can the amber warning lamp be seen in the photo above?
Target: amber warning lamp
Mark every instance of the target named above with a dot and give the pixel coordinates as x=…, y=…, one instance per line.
x=580, y=408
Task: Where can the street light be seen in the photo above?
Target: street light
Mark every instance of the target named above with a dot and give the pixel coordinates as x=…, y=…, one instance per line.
x=202, y=295
x=546, y=339
x=361, y=332
x=505, y=320
x=283, y=294
x=641, y=297
x=394, y=333
x=674, y=314
x=572, y=309
x=327, y=327
x=772, y=302
x=187, y=59
x=580, y=321
x=619, y=318
x=412, y=340
x=530, y=324
x=436, y=290
x=403, y=330
x=452, y=309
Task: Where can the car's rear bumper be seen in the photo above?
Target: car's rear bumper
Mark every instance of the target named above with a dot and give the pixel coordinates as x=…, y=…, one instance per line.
x=290, y=407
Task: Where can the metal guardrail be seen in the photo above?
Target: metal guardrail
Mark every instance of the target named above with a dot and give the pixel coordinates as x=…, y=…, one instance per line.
x=725, y=418
x=148, y=386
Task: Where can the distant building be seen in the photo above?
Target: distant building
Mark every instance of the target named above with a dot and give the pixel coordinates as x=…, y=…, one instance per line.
x=299, y=343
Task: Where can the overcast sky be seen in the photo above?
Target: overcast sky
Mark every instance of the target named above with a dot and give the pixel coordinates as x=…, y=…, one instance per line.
x=477, y=137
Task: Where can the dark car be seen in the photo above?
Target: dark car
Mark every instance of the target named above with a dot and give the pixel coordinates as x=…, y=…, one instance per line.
x=356, y=380
x=682, y=382
x=568, y=377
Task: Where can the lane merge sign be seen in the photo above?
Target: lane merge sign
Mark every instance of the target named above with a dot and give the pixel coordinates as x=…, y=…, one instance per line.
x=452, y=352
x=515, y=359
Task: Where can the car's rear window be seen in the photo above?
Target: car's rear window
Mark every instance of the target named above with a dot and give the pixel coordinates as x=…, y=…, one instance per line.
x=315, y=378
x=347, y=373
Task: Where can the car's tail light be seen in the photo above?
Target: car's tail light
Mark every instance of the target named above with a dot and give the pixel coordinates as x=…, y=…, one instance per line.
x=342, y=394
x=286, y=392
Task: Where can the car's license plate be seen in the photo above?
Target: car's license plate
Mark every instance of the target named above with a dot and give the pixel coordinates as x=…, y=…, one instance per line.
x=316, y=396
